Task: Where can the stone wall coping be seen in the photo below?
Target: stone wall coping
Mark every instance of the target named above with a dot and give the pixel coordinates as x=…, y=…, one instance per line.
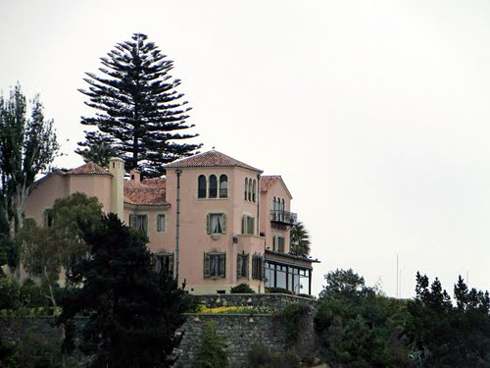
x=257, y=295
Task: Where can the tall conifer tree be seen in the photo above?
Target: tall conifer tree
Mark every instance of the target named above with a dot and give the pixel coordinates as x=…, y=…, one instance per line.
x=139, y=111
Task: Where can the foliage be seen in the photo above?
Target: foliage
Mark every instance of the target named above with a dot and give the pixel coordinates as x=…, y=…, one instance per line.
x=260, y=357
x=132, y=312
x=99, y=153
x=292, y=318
x=46, y=250
x=276, y=290
x=27, y=147
x=236, y=310
x=243, y=288
x=299, y=240
x=445, y=335
x=357, y=327
x=139, y=111
x=210, y=353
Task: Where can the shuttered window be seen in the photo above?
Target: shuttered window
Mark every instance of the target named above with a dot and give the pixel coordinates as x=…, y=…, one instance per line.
x=164, y=264
x=248, y=225
x=214, y=265
x=160, y=223
x=242, y=265
x=138, y=222
x=216, y=223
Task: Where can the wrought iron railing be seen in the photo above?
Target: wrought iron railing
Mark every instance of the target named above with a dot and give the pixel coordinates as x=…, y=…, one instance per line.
x=284, y=217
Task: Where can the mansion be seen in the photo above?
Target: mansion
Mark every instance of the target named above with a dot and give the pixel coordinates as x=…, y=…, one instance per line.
x=213, y=221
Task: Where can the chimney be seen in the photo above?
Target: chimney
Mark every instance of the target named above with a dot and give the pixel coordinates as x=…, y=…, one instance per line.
x=135, y=175
x=116, y=168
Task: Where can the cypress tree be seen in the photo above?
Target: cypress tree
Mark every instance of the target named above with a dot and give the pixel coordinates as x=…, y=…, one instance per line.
x=139, y=111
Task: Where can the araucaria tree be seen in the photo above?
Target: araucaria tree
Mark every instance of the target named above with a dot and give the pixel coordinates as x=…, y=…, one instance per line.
x=139, y=111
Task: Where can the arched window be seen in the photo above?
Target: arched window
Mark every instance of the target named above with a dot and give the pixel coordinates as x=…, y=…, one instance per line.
x=223, y=186
x=282, y=209
x=246, y=187
x=213, y=186
x=250, y=189
x=253, y=191
x=274, y=209
x=201, y=187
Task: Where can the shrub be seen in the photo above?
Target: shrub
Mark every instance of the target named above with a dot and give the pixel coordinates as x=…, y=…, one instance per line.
x=291, y=317
x=242, y=289
x=261, y=357
x=276, y=290
x=210, y=353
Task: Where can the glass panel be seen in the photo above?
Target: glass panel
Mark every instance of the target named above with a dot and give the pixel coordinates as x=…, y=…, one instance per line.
x=201, y=190
x=281, y=279
x=223, y=186
x=304, y=285
x=216, y=223
x=213, y=186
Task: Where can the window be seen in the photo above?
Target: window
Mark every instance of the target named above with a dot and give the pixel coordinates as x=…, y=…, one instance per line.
x=246, y=188
x=223, y=186
x=278, y=244
x=250, y=190
x=213, y=186
x=160, y=223
x=48, y=217
x=164, y=263
x=216, y=223
x=201, y=187
x=248, y=225
x=214, y=265
x=242, y=265
x=138, y=222
x=257, y=267
x=253, y=191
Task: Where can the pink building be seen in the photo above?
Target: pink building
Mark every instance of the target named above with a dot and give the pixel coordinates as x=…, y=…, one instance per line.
x=214, y=221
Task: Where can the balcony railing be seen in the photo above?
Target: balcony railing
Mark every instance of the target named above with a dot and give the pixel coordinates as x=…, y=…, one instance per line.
x=283, y=217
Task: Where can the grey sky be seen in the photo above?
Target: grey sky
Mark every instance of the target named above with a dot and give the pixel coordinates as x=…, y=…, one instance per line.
x=376, y=113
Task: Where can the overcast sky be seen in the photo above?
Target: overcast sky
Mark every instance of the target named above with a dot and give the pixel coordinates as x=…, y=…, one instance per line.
x=376, y=113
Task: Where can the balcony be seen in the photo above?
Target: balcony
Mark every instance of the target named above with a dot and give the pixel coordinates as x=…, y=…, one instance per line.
x=283, y=218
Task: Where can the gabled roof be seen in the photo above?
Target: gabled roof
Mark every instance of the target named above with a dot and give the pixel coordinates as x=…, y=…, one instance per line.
x=210, y=159
x=268, y=181
x=89, y=169
x=150, y=192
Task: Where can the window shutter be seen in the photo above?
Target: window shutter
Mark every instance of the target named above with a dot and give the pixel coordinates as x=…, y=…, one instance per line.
x=281, y=243
x=207, y=265
x=132, y=221
x=208, y=223
x=224, y=223
x=239, y=263
x=222, y=265
x=274, y=243
x=252, y=226
x=171, y=265
x=246, y=258
x=243, y=224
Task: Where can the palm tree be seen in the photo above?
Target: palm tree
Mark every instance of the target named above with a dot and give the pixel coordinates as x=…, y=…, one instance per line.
x=299, y=240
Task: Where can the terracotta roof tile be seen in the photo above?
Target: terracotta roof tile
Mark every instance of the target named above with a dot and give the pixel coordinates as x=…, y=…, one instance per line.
x=89, y=169
x=210, y=159
x=267, y=181
x=150, y=192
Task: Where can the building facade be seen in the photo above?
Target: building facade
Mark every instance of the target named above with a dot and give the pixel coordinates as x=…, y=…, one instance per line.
x=213, y=221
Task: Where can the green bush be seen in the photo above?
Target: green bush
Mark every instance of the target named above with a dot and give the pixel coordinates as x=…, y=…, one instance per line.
x=276, y=290
x=292, y=317
x=210, y=353
x=260, y=357
x=242, y=289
